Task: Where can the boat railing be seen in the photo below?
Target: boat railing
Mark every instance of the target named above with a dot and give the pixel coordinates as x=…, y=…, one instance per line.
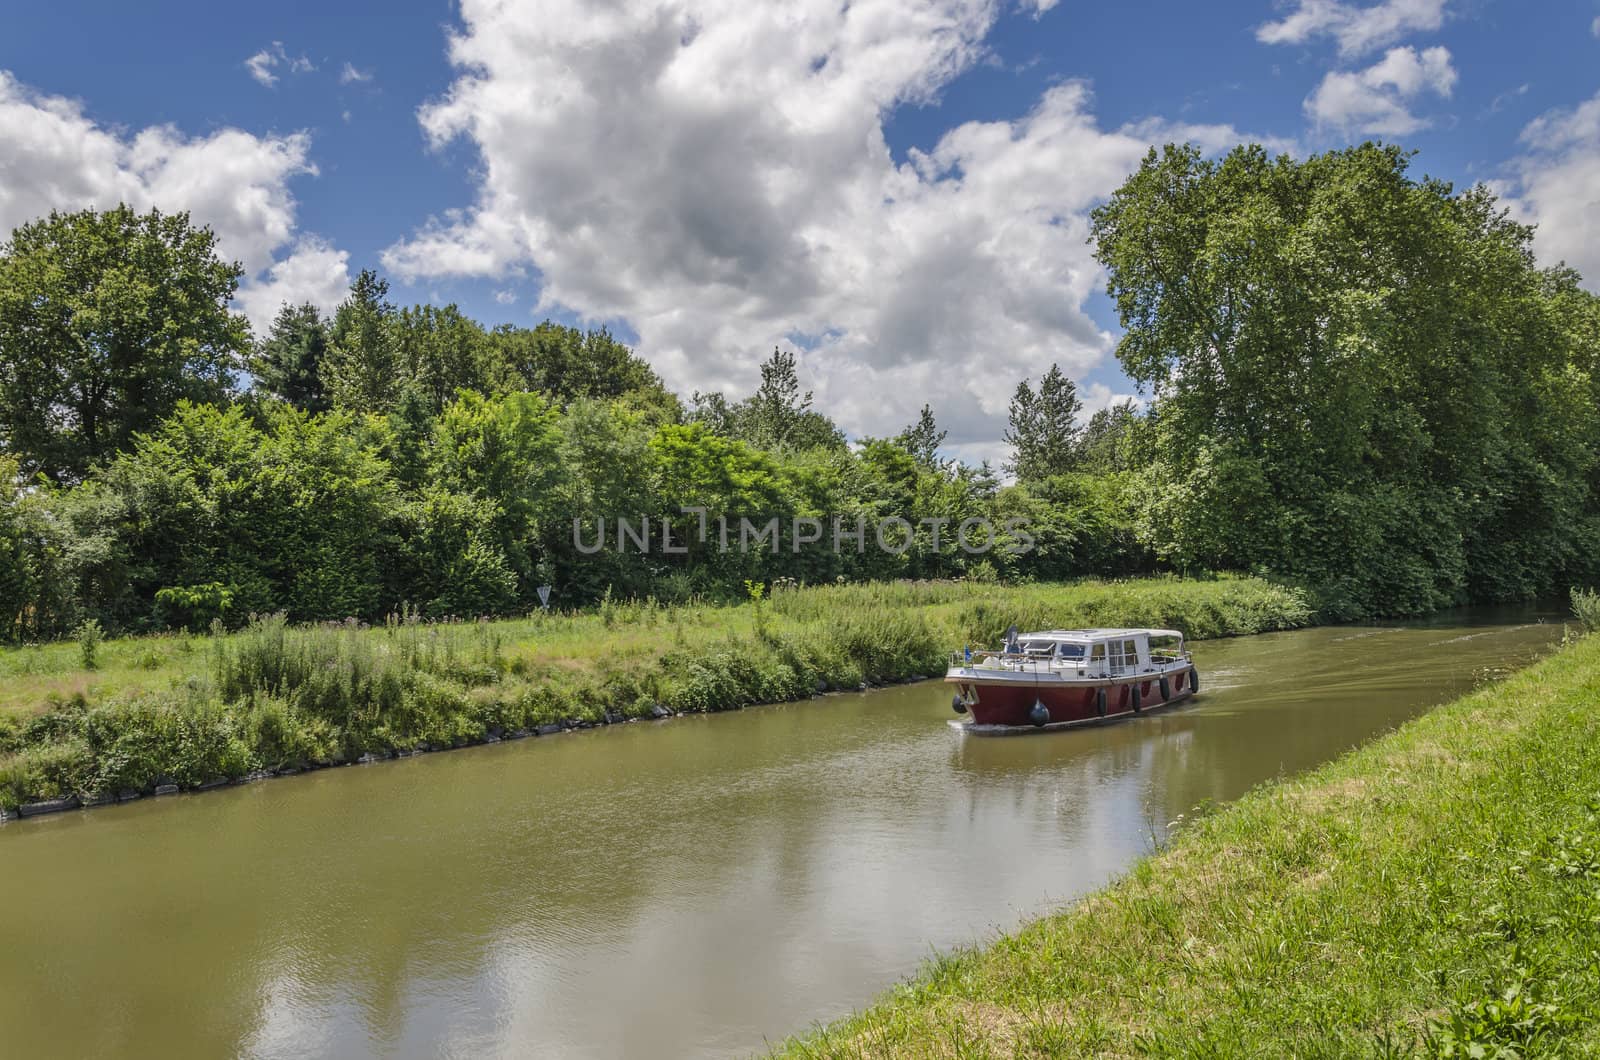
x=1029, y=662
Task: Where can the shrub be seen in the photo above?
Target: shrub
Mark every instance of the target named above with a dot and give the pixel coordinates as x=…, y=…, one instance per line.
x=88, y=635
x=1586, y=608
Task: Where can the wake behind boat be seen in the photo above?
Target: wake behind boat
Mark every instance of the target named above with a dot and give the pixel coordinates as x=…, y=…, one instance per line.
x=1060, y=678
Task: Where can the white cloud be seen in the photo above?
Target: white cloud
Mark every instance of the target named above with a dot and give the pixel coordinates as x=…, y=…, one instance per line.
x=1556, y=185
x=1357, y=30
x=312, y=272
x=1377, y=100
x=1594, y=27
x=723, y=184
x=262, y=64
x=350, y=75
x=56, y=157
x=505, y=297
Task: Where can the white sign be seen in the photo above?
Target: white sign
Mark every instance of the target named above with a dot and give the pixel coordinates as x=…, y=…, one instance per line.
x=544, y=597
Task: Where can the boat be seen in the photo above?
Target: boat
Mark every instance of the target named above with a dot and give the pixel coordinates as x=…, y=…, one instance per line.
x=1062, y=678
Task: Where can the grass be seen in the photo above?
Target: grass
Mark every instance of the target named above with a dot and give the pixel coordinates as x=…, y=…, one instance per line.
x=187, y=710
x=1435, y=893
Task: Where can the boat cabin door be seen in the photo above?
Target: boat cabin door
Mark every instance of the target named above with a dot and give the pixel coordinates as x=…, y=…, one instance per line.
x=1124, y=655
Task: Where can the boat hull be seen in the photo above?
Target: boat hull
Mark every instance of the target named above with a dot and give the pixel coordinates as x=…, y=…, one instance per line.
x=1007, y=703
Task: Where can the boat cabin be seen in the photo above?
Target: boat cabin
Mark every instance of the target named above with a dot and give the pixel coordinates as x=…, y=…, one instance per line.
x=1100, y=652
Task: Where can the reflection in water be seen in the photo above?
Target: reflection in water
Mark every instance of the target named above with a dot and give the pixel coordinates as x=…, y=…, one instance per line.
x=684, y=888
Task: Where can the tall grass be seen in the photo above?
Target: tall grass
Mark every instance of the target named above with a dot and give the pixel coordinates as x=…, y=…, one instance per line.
x=1586, y=608
x=274, y=696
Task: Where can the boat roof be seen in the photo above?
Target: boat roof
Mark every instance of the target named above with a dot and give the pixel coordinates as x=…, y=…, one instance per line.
x=1097, y=634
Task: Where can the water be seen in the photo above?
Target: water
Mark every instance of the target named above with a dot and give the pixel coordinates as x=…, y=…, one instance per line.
x=692, y=887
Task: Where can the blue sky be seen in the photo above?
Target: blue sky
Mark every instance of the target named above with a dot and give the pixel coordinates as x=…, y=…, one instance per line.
x=758, y=173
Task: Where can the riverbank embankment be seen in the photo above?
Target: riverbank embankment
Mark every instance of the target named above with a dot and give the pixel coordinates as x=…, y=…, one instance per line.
x=158, y=715
x=1433, y=893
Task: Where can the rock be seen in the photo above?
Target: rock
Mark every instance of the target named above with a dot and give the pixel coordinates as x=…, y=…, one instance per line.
x=6, y=815
x=658, y=711
x=862, y=687
x=491, y=738
x=214, y=782
x=129, y=795
x=496, y=731
x=548, y=730
x=518, y=734
x=286, y=771
x=366, y=759
x=166, y=789
x=822, y=685
x=97, y=800
x=35, y=809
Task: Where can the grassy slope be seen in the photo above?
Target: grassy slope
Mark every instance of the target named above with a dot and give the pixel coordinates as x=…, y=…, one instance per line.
x=637, y=636
x=186, y=709
x=1436, y=892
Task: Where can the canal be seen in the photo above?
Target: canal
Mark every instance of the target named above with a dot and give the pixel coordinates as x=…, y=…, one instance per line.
x=691, y=887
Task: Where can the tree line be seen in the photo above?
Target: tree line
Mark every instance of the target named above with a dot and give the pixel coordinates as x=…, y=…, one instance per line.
x=1360, y=381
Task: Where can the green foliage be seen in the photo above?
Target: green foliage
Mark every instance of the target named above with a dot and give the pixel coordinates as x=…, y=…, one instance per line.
x=88, y=635
x=195, y=607
x=362, y=366
x=289, y=363
x=1360, y=384
x=568, y=365
x=1362, y=381
x=923, y=439
x=777, y=417
x=1586, y=608
x=1043, y=430
x=107, y=321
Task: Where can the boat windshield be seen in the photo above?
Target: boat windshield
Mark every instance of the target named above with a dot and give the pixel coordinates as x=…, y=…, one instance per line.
x=1047, y=648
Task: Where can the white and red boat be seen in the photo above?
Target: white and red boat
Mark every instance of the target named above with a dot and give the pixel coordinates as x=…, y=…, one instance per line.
x=1065, y=677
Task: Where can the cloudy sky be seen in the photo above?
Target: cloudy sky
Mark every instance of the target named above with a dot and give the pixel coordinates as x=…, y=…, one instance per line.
x=898, y=189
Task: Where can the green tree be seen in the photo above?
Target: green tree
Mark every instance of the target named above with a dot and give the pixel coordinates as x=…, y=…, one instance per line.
x=1042, y=429
x=1360, y=377
x=107, y=321
x=923, y=439
x=778, y=416
x=1107, y=442
x=439, y=351
x=363, y=363
x=568, y=364
x=506, y=452
x=288, y=363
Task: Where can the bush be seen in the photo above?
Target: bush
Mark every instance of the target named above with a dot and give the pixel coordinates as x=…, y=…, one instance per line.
x=88, y=635
x=1586, y=608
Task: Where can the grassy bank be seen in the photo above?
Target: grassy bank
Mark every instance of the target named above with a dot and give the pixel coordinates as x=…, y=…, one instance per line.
x=189, y=710
x=1435, y=893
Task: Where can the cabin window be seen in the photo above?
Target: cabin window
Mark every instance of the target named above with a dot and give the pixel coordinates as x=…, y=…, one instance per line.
x=1117, y=656
x=1070, y=651
x=1097, y=654
x=1130, y=648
